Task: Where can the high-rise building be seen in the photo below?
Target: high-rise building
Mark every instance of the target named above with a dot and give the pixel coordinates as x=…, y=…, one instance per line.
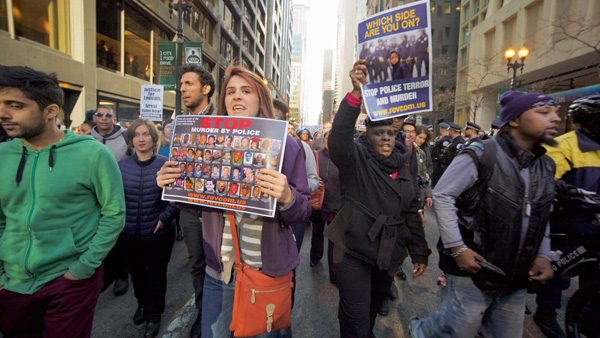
x=297, y=84
x=561, y=61
x=327, y=102
x=104, y=50
x=445, y=19
x=349, y=13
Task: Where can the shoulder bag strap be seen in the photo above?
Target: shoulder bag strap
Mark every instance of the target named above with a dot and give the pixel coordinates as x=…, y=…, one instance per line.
x=236, y=246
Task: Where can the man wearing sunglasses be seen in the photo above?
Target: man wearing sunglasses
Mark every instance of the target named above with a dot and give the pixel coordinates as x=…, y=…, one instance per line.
x=115, y=138
x=108, y=133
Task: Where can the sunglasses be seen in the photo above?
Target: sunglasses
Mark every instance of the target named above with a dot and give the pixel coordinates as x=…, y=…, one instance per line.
x=109, y=115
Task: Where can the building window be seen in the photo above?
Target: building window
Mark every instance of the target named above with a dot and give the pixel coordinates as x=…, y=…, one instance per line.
x=444, y=49
x=159, y=35
x=43, y=21
x=248, y=15
x=108, y=34
x=261, y=60
x=466, y=35
x=466, y=17
x=262, y=16
x=138, y=31
x=248, y=42
x=200, y=23
x=432, y=6
x=226, y=47
x=447, y=7
x=3, y=16
x=443, y=70
x=463, y=57
x=447, y=30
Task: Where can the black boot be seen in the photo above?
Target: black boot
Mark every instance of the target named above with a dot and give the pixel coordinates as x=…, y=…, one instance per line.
x=139, y=316
x=400, y=273
x=196, y=330
x=121, y=286
x=385, y=308
x=152, y=329
x=393, y=294
x=546, y=321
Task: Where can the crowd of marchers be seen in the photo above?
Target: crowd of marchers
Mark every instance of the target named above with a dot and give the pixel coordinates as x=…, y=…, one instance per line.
x=79, y=213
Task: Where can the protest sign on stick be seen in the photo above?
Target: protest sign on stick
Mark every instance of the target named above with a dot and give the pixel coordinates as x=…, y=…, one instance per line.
x=151, y=102
x=396, y=45
x=219, y=157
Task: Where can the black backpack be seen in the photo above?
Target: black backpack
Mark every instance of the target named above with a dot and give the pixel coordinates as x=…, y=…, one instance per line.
x=467, y=202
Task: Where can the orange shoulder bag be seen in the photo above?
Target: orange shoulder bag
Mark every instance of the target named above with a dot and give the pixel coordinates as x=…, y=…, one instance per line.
x=261, y=303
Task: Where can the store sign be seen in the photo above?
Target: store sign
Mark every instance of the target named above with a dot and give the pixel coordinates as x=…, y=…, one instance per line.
x=167, y=61
x=192, y=52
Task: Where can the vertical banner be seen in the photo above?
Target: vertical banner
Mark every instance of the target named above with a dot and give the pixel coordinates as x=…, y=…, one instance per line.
x=219, y=158
x=151, y=102
x=167, y=59
x=192, y=52
x=396, y=47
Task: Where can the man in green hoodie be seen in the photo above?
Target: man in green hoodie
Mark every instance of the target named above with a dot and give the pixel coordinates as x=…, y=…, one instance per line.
x=61, y=211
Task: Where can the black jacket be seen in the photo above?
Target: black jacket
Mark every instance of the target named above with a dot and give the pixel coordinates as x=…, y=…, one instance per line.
x=144, y=206
x=451, y=150
x=378, y=219
x=330, y=175
x=494, y=230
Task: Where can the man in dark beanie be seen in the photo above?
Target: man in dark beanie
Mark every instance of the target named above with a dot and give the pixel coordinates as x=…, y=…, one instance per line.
x=492, y=206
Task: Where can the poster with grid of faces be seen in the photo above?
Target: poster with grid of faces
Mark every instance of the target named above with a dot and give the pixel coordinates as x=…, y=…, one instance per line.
x=219, y=157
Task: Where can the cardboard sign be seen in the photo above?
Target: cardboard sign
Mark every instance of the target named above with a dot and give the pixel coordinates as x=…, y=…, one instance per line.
x=220, y=156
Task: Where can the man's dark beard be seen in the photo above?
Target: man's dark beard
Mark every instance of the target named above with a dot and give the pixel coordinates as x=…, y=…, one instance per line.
x=545, y=139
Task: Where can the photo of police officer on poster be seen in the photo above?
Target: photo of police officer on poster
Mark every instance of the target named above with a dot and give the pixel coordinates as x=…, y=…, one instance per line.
x=219, y=157
x=396, y=46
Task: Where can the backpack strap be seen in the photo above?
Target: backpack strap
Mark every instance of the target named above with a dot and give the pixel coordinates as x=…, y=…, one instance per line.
x=301, y=148
x=467, y=202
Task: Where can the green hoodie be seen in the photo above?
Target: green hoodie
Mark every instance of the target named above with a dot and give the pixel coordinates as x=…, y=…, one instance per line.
x=61, y=208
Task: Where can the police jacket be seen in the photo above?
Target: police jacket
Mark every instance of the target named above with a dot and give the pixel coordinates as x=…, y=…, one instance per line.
x=144, y=206
x=496, y=228
x=451, y=150
x=378, y=219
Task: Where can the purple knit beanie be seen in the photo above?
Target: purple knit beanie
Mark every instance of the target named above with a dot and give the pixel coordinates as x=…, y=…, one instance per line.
x=513, y=104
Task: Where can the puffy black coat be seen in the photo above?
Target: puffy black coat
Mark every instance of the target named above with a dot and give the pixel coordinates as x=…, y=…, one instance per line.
x=144, y=206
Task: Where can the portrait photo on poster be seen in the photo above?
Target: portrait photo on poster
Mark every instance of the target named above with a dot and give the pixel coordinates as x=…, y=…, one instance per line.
x=219, y=158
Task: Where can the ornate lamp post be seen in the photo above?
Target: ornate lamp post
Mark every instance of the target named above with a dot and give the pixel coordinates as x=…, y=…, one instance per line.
x=509, y=54
x=183, y=8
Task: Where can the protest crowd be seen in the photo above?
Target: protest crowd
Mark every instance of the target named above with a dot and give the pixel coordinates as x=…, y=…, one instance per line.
x=495, y=194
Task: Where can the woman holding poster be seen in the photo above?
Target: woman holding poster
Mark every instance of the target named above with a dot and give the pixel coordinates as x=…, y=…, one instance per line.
x=378, y=219
x=272, y=248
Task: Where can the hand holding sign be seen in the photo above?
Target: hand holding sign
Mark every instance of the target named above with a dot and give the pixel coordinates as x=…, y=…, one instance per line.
x=274, y=183
x=168, y=174
x=358, y=76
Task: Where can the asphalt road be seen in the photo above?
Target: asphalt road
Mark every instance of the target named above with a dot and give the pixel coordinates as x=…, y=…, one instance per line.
x=315, y=312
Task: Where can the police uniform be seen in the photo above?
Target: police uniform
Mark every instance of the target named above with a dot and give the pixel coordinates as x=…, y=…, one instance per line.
x=453, y=148
x=436, y=154
x=477, y=128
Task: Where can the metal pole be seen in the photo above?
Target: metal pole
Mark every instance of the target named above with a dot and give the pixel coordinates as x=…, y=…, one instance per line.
x=180, y=10
x=513, y=82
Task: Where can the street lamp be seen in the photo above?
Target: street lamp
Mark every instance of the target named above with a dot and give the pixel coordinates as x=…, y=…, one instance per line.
x=509, y=54
x=183, y=8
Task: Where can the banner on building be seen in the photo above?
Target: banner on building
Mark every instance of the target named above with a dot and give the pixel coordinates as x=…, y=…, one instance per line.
x=219, y=158
x=151, y=102
x=167, y=61
x=396, y=45
x=192, y=52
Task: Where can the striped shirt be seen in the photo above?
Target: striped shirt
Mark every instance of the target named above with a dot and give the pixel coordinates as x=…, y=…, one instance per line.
x=249, y=229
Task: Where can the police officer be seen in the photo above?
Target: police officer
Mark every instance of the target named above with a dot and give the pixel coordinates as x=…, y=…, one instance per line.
x=454, y=147
x=472, y=130
x=442, y=141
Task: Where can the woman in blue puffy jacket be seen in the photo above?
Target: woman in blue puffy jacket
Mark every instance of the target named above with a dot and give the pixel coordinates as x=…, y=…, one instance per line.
x=148, y=234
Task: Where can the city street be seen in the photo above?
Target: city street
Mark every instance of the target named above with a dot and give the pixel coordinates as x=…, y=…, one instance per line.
x=315, y=312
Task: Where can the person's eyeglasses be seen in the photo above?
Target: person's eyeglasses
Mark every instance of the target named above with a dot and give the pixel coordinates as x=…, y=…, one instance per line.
x=410, y=132
x=108, y=115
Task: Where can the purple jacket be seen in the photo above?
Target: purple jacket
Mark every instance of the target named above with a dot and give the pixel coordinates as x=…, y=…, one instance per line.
x=278, y=247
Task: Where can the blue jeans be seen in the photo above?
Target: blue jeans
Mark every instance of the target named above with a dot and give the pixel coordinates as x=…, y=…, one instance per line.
x=217, y=308
x=465, y=309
